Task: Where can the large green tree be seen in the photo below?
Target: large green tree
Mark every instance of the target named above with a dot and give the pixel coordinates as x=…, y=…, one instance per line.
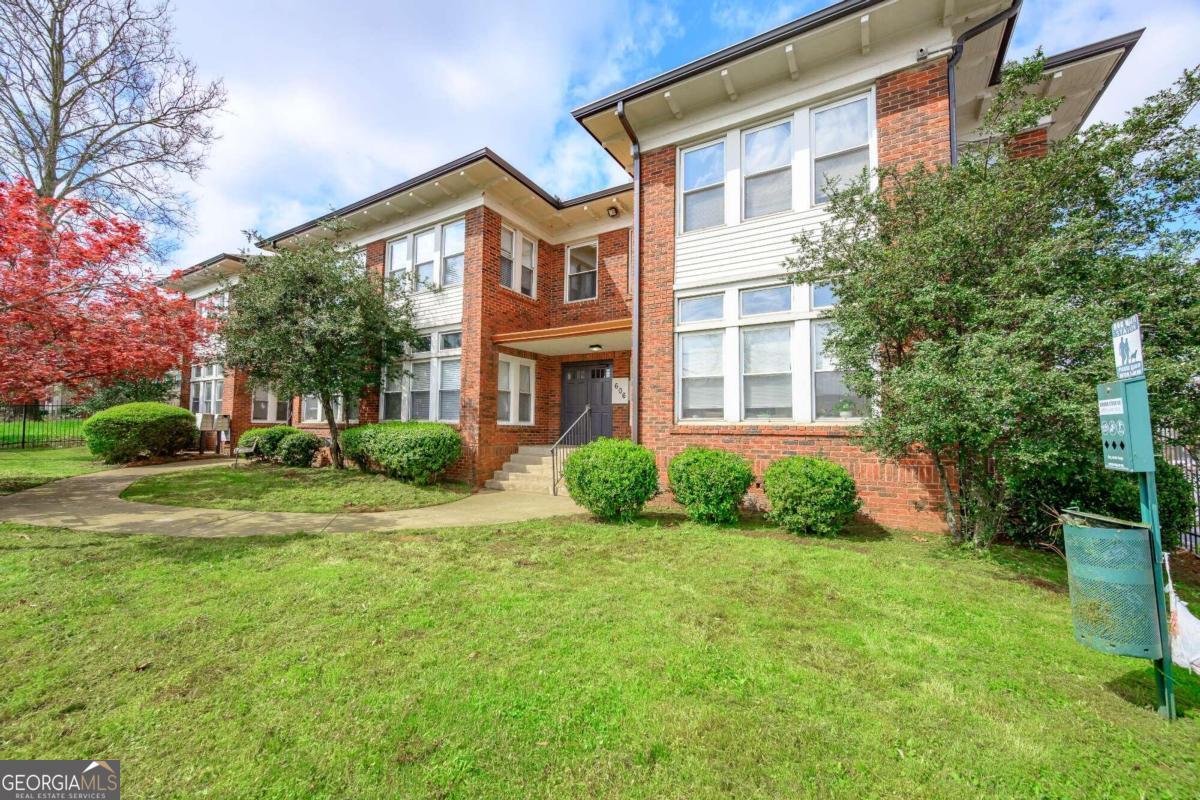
x=312, y=320
x=975, y=300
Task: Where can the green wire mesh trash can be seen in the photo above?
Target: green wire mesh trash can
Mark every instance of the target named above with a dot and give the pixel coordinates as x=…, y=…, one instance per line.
x=1111, y=574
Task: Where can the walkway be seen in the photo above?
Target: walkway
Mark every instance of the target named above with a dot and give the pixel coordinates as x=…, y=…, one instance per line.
x=91, y=503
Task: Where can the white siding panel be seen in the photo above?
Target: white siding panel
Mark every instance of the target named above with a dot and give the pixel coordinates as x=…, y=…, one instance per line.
x=754, y=249
x=435, y=309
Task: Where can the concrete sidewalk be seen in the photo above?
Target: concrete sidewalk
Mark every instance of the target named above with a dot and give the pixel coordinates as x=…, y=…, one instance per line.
x=92, y=503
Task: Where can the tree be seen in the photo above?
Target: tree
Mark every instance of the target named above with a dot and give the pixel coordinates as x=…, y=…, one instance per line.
x=96, y=103
x=975, y=300
x=310, y=320
x=130, y=390
x=75, y=308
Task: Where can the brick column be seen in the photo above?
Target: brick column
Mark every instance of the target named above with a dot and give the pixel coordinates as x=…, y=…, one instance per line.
x=912, y=116
x=1033, y=143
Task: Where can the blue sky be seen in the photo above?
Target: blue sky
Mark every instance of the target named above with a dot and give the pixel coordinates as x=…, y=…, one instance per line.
x=327, y=106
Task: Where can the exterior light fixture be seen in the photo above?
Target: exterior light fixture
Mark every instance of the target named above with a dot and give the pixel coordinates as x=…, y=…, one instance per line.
x=595, y=348
x=613, y=211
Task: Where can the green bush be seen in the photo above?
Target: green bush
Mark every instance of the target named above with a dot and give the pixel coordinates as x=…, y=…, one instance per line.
x=298, y=449
x=810, y=495
x=612, y=478
x=1035, y=496
x=268, y=439
x=122, y=433
x=710, y=484
x=418, y=452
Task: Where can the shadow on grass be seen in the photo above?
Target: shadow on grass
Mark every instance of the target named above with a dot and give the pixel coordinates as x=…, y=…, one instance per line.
x=222, y=548
x=1137, y=688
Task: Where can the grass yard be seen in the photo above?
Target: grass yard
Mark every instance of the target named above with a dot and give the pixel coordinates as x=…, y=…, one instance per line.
x=24, y=469
x=569, y=659
x=271, y=487
x=42, y=432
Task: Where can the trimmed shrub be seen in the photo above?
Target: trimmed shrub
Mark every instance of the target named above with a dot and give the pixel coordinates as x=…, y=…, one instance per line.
x=612, y=478
x=810, y=495
x=418, y=452
x=710, y=484
x=269, y=439
x=298, y=449
x=122, y=433
x=1037, y=495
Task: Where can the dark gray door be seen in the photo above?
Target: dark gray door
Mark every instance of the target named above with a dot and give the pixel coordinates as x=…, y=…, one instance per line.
x=585, y=384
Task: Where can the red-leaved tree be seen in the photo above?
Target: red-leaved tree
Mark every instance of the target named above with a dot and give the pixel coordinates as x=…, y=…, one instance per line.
x=76, y=308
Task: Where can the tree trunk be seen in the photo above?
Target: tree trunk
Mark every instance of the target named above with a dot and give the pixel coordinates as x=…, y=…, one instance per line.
x=953, y=518
x=335, y=445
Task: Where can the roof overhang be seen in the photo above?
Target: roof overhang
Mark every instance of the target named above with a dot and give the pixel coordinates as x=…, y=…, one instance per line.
x=1078, y=76
x=475, y=173
x=591, y=337
x=209, y=271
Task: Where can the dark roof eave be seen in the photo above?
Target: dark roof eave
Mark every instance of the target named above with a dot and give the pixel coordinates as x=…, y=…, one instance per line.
x=713, y=60
x=484, y=154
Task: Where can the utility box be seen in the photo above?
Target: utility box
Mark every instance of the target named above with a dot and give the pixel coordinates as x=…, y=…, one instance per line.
x=1111, y=568
x=1128, y=442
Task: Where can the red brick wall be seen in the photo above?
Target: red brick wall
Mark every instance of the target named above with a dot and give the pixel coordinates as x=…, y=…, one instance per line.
x=913, y=127
x=1030, y=144
x=912, y=116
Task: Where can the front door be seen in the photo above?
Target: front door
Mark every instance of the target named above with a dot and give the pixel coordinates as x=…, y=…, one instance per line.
x=584, y=385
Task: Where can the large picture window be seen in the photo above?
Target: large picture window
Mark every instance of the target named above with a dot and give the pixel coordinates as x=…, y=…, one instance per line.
x=767, y=165
x=582, y=270
x=427, y=385
x=704, y=186
x=701, y=377
x=841, y=145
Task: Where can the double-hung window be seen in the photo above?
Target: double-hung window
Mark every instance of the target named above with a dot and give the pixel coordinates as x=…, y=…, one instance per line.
x=428, y=385
x=424, y=256
x=831, y=397
x=704, y=186
x=454, y=244
x=767, y=372
x=268, y=406
x=399, y=261
x=767, y=166
x=518, y=261
x=841, y=145
x=701, y=377
x=582, y=270
x=207, y=388
x=514, y=391
x=312, y=411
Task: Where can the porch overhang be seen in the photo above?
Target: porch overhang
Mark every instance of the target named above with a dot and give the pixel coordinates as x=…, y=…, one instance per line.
x=565, y=340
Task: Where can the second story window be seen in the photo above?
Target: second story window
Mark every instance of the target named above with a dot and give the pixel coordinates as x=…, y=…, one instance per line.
x=767, y=165
x=841, y=145
x=581, y=272
x=454, y=244
x=704, y=186
x=398, y=260
x=424, y=244
x=518, y=261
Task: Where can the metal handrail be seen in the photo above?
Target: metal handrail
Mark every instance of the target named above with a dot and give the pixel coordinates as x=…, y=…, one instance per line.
x=578, y=433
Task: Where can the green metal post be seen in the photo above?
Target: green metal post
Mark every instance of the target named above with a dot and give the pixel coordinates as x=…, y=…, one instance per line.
x=1148, y=492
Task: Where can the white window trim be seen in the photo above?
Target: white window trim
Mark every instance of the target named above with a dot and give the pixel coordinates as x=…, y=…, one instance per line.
x=273, y=401
x=872, y=141
x=439, y=236
x=741, y=374
x=434, y=356
x=519, y=237
x=724, y=184
x=514, y=389
x=567, y=271
x=195, y=381
x=765, y=314
x=320, y=418
x=801, y=317
x=790, y=166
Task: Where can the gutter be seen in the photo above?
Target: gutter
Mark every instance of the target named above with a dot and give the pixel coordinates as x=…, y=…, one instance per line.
x=635, y=251
x=1009, y=15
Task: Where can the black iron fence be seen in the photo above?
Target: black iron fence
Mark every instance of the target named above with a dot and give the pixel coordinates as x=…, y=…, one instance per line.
x=40, y=425
x=1181, y=458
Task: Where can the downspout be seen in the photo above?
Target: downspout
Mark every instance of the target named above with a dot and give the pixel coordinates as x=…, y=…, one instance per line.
x=635, y=268
x=1010, y=15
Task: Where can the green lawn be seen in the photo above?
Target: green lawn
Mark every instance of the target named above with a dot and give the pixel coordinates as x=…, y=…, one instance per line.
x=564, y=659
x=270, y=487
x=23, y=469
x=42, y=432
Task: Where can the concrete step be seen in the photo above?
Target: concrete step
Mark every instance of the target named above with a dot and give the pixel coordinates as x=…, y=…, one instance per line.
x=520, y=483
x=530, y=458
x=534, y=450
x=526, y=469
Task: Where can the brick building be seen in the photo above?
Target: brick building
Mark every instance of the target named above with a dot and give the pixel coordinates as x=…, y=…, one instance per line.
x=660, y=306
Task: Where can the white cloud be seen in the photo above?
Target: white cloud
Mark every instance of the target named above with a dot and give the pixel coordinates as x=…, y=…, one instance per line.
x=747, y=18
x=326, y=108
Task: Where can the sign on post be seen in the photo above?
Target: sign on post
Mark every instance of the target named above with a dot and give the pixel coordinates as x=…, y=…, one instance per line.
x=1127, y=347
